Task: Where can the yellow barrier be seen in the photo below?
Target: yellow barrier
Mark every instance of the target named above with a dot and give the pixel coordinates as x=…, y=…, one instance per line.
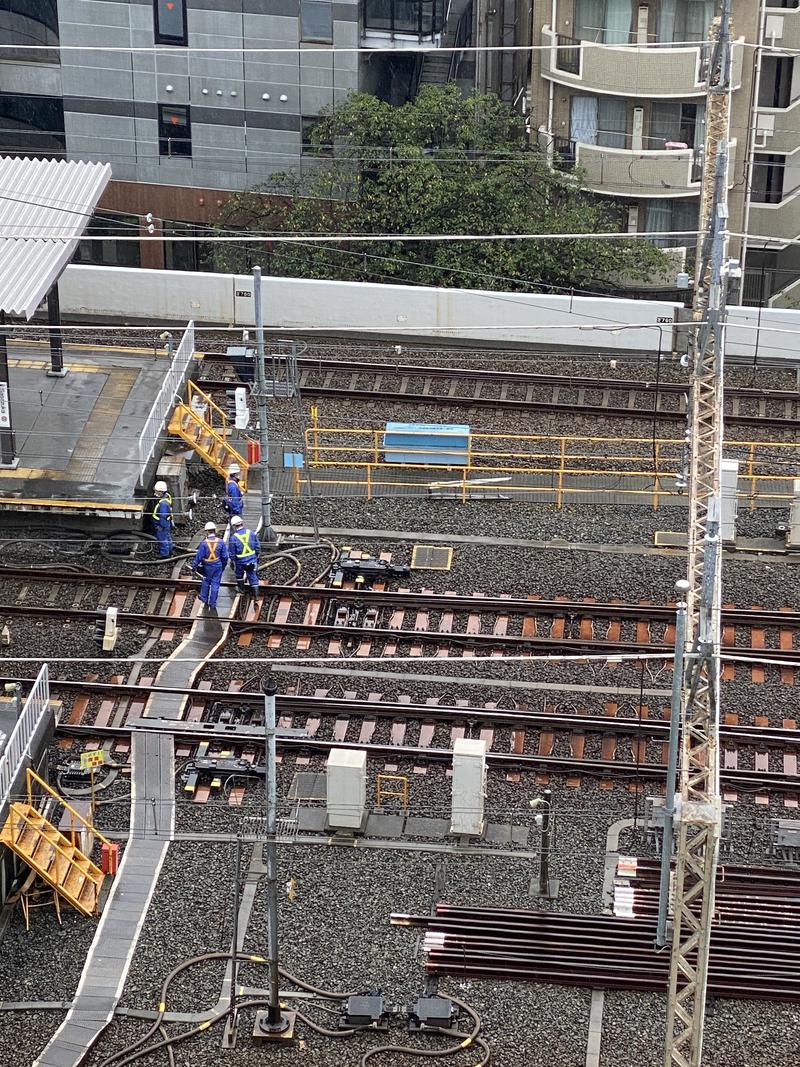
x=560, y=457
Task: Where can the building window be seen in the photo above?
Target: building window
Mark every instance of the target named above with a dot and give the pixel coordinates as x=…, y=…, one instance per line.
x=768, y=173
x=775, y=85
x=31, y=125
x=308, y=124
x=599, y=120
x=110, y=252
x=663, y=215
x=680, y=21
x=604, y=21
x=188, y=255
x=316, y=21
x=170, y=21
x=174, y=131
x=29, y=22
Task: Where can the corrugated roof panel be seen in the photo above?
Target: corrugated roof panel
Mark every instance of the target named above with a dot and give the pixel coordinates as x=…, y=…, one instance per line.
x=53, y=197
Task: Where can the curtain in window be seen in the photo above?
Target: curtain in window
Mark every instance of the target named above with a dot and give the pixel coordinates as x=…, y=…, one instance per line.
x=657, y=218
x=589, y=20
x=618, y=22
x=612, y=122
x=697, y=16
x=665, y=26
x=685, y=216
x=665, y=123
x=583, y=119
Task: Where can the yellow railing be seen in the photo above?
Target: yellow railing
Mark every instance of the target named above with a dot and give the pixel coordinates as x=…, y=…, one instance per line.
x=622, y=464
x=196, y=393
x=32, y=776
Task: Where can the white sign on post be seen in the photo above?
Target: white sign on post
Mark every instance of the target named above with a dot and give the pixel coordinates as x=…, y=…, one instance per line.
x=5, y=407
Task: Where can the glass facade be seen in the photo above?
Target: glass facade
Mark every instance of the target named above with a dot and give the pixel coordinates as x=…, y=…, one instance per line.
x=422, y=18
x=29, y=22
x=31, y=125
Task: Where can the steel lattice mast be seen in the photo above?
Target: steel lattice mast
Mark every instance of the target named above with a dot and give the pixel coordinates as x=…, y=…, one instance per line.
x=698, y=811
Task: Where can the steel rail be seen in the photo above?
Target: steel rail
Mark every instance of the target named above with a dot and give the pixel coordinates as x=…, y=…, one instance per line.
x=289, y=704
x=504, y=378
x=424, y=602
x=747, y=781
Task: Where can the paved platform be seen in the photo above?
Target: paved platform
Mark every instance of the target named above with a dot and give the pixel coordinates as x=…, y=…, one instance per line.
x=152, y=827
x=77, y=435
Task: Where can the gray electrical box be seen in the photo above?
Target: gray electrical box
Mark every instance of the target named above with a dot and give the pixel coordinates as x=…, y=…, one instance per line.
x=346, y=788
x=469, y=787
x=730, y=503
x=793, y=534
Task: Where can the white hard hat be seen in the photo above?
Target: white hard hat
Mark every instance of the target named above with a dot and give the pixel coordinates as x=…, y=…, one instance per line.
x=234, y=469
x=210, y=527
x=160, y=487
x=236, y=521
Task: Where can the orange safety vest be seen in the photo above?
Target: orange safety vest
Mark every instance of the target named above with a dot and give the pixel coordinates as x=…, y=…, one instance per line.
x=213, y=547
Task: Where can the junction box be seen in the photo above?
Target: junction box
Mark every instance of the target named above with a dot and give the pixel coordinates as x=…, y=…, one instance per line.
x=346, y=782
x=468, y=787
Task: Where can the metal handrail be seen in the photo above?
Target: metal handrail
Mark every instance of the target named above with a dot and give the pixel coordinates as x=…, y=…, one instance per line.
x=31, y=776
x=18, y=746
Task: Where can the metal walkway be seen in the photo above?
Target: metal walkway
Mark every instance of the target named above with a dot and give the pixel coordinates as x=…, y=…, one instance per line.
x=152, y=828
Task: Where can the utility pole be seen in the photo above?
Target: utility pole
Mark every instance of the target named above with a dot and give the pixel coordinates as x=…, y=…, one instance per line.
x=274, y=1024
x=681, y=589
x=698, y=814
x=260, y=395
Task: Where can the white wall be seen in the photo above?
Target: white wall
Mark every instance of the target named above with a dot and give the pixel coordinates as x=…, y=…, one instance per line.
x=293, y=304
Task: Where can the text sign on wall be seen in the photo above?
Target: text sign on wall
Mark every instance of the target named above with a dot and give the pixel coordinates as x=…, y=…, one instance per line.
x=5, y=407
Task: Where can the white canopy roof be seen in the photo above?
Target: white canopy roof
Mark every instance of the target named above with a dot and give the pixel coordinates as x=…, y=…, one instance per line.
x=52, y=200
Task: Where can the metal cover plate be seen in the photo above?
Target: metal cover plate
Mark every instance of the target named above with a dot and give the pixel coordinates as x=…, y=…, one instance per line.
x=431, y=558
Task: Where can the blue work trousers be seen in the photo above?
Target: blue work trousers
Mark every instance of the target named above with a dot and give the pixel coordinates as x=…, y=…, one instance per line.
x=209, y=587
x=246, y=572
x=164, y=537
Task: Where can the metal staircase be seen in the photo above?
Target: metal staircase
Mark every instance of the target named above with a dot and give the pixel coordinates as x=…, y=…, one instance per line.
x=204, y=426
x=56, y=859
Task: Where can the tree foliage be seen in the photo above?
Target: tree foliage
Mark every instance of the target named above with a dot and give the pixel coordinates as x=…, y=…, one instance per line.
x=440, y=164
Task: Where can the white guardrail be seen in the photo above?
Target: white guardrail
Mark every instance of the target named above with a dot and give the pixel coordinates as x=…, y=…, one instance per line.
x=19, y=743
x=163, y=403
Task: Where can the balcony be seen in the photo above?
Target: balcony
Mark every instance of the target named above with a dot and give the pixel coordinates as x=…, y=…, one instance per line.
x=778, y=129
x=404, y=23
x=634, y=173
x=656, y=70
x=779, y=222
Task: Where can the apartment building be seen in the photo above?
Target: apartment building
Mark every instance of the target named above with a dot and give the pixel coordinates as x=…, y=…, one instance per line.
x=633, y=119
x=183, y=127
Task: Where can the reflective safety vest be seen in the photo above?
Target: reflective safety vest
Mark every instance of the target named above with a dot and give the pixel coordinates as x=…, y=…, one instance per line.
x=156, y=513
x=244, y=540
x=213, y=549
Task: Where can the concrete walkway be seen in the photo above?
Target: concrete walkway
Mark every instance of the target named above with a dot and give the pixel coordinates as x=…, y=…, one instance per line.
x=152, y=827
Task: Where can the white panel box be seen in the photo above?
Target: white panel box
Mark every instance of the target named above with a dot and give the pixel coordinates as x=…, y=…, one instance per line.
x=793, y=536
x=346, y=788
x=730, y=503
x=469, y=787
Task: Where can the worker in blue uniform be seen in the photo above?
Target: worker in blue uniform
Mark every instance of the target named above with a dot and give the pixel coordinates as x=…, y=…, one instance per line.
x=209, y=562
x=161, y=517
x=243, y=550
x=234, y=501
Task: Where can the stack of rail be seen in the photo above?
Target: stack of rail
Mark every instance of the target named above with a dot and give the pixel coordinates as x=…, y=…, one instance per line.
x=755, y=945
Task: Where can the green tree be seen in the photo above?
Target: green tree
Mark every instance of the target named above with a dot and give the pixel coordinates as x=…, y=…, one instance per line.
x=440, y=164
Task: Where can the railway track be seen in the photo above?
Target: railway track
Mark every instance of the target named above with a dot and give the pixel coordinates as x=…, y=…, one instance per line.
x=361, y=623
x=626, y=742
x=520, y=391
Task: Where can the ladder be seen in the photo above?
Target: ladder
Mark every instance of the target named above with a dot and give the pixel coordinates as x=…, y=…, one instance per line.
x=59, y=863
x=203, y=425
